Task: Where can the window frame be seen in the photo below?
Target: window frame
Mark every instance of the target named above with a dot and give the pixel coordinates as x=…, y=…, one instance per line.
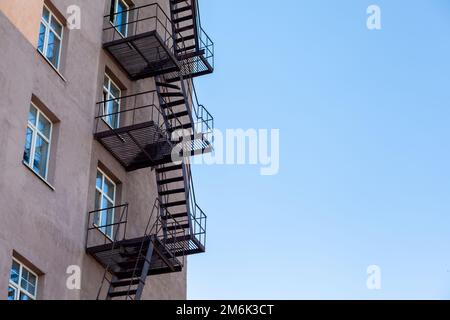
x=113, y=201
x=35, y=133
x=110, y=96
x=17, y=286
x=115, y=12
x=48, y=28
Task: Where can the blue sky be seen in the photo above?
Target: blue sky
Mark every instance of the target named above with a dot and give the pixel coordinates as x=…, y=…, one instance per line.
x=364, y=168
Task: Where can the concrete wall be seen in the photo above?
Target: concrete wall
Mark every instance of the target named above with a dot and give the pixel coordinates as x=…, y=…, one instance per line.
x=47, y=224
x=25, y=15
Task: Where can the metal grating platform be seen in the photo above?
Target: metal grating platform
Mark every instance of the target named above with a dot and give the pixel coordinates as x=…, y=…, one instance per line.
x=137, y=146
x=194, y=65
x=144, y=55
x=126, y=258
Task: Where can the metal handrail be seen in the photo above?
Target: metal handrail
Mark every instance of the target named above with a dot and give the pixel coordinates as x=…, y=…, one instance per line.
x=124, y=215
x=198, y=216
x=154, y=232
x=141, y=111
x=136, y=17
x=155, y=229
x=203, y=40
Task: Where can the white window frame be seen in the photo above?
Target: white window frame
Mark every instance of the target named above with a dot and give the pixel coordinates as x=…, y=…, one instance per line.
x=113, y=201
x=48, y=26
x=116, y=8
x=110, y=96
x=36, y=132
x=18, y=286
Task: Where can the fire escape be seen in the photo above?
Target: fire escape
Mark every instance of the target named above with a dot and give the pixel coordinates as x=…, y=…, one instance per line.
x=155, y=129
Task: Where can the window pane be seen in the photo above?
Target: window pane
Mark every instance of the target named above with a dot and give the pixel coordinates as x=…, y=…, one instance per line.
x=41, y=39
x=111, y=111
x=98, y=201
x=15, y=270
x=28, y=282
x=24, y=297
x=32, y=115
x=122, y=18
x=113, y=10
x=45, y=14
x=99, y=180
x=106, y=217
x=98, y=197
x=54, y=45
x=44, y=126
x=28, y=142
x=11, y=293
x=109, y=222
x=56, y=26
x=106, y=83
x=115, y=91
x=40, y=156
x=108, y=189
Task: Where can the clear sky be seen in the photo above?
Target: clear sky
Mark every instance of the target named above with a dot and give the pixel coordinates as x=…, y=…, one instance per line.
x=365, y=160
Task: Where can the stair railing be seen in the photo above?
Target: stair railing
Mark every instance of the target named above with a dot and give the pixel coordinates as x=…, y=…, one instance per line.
x=142, y=19
x=154, y=230
x=123, y=221
x=133, y=109
x=197, y=216
x=202, y=39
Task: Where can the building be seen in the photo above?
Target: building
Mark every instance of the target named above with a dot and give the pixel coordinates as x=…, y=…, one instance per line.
x=98, y=105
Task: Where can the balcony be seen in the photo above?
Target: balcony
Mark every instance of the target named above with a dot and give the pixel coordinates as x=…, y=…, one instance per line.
x=133, y=129
x=129, y=259
x=141, y=41
x=149, y=129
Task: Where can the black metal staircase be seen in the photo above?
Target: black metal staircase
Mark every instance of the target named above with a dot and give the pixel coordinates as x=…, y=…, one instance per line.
x=194, y=46
x=177, y=195
x=160, y=129
x=186, y=119
x=128, y=261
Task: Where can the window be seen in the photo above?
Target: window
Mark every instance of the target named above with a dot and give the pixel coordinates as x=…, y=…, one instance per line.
x=37, y=142
x=22, y=283
x=111, y=107
x=119, y=16
x=50, y=37
x=105, y=194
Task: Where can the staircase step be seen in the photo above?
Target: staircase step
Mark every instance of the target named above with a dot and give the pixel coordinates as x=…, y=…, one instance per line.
x=171, y=180
x=183, y=126
x=127, y=274
x=182, y=9
x=167, y=169
x=175, y=216
x=186, y=38
x=173, y=191
x=182, y=50
x=173, y=204
x=122, y=293
x=125, y=283
x=182, y=19
x=183, y=29
x=178, y=227
x=177, y=115
x=167, y=85
x=171, y=94
x=191, y=55
x=172, y=104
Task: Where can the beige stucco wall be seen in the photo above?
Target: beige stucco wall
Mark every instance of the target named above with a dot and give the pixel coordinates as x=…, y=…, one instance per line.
x=25, y=15
x=48, y=226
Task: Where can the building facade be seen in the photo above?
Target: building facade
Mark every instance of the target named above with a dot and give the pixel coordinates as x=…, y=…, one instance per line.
x=99, y=114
